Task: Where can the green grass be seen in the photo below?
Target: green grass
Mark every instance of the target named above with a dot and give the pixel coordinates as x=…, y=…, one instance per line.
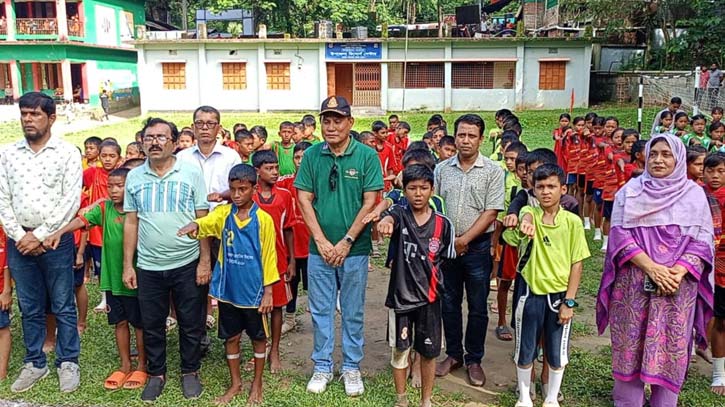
x=537, y=124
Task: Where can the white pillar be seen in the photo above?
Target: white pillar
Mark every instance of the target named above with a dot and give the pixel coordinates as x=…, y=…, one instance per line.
x=519, y=80
x=68, y=81
x=15, y=79
x=447, y=79
x=202, y=74
x=10, y=20
x=141, y=71
x=384, y=78
x=61, y=20
x=261, y=79
x=322, y=64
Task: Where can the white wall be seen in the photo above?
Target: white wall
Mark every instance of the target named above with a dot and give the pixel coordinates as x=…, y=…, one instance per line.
x=304, y=79
x=416, y=99
x=153, y=94
x=577, y=78
x=246, y=99
x=482, y=99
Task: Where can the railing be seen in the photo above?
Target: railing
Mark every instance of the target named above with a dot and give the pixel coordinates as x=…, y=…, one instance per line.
x=75, y=28
x=3, y=27
x=37, y=26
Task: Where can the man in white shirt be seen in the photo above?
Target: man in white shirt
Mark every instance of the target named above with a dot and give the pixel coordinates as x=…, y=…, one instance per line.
x=215, y=161
x=40, y=192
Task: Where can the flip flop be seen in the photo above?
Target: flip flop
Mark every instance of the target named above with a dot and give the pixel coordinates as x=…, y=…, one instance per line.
x=210, y=321
x=116, y=380
x=503, y=333
x=135, y=380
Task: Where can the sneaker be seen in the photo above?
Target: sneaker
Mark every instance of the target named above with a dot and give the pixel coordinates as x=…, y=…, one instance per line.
x=597, y=235
x=28, y=377
x=191, y=386
x=69, y=376
x=353, y=383
x=587, y=224
x=604, y=249
x=318, y=382
x=154, y=388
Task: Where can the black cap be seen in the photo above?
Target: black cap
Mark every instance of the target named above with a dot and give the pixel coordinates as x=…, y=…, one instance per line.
x=337, y=105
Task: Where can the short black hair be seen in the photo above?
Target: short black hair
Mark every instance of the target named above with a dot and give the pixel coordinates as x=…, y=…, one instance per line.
x=393, y=116
x=243, y=172
x=678, y=115
x=714, y=159
x=110, y=139
x=637, y=148
x=32, y=100
x=153, y=121
x=589, y=116
x=187, y=132
x=133, y=163
x=549, y=170
x=521, y=159
x=259, y=131
x=447, y=141
x=120, y=172
x=518, y=147
x=239, y=126
x=435, y=120
x=242, y=134
x=309, y=121
x=503, y=113
x=207, y=109
x=714, y=126
x=541, y=155
x=285, y=124
x=110, y=144
x=420, y=157
x=263, y=157
x=508, y=137
x=676, y=100
x=355, y=135
x=301, y=146
x=512, y=124
x=630, y=132
x=577, y=120
x=417, y=172
x=566, y=116
x=612, y=118
x=599, y=121
x=472, y=119
x=697, y=117
x=418, y=145
x=364, y=135
x=379, y=125
x=716, y=109
x=93, y=140
x=403, y=125
x=427, y=135
x=693, y=152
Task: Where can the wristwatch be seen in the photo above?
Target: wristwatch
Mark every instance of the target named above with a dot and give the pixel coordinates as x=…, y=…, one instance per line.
x=349, y=239
x=570, y=302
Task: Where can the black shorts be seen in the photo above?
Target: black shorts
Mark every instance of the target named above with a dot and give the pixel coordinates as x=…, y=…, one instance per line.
x=424, y=324
x=590, y=188
x=581, y=180
x=234, y=320
x=607, y=209
x=719, y=307
x=123, y=308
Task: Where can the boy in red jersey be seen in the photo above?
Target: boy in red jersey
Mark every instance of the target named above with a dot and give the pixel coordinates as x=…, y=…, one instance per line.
x=386, y=154
x=278, y=203
x=615, y=165
x=399, y=140
x=301, y=243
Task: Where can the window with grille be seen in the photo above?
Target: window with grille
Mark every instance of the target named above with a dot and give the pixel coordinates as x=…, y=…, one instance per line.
x=174, y=74
x=419, y=75
x=552, y=75
x=234, y=75
x=278, y=75
x=483, y=75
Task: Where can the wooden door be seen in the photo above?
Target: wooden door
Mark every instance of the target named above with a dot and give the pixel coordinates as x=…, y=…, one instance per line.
x=367, y=85
x=343, y=81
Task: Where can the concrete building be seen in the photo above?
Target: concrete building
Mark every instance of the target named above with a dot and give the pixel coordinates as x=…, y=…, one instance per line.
x=447, y=74
x=71, y=49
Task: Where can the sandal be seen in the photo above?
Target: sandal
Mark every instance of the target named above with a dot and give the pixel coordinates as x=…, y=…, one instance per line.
x=503, y=333
x=116, y=380
x=210, y=321
x=135, y=380
x=170, y=324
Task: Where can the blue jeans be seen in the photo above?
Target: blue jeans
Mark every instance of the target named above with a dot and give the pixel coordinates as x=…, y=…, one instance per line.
x=47, y=280
x=322, y=296
x=471, y=271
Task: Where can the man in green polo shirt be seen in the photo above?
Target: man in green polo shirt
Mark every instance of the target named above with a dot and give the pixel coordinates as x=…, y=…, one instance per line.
x=337, y=184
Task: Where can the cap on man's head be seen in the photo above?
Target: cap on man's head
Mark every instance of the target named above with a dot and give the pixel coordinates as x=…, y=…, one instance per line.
x=337, y=105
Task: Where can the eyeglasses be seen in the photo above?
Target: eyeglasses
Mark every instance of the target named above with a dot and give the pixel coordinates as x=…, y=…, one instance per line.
x=200, y=124
x=333, y=177
x=159, y=139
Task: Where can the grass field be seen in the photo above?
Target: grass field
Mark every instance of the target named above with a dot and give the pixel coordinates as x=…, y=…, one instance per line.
x=587, y=382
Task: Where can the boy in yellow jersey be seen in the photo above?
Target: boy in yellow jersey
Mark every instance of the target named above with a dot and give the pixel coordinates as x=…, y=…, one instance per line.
x=244, y=274
x=552, y=248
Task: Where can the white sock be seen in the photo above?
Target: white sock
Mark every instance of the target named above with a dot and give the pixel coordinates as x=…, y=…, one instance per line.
x=718, y=371
x=555, y=378
x=103, y=297
x=605, y=240
x=524, y=380
x=587, y=222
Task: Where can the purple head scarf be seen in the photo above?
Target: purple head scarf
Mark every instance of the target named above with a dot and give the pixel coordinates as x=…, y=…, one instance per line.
x=672, y=200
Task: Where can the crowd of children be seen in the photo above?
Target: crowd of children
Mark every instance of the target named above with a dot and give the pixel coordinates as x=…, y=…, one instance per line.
x=538, y=247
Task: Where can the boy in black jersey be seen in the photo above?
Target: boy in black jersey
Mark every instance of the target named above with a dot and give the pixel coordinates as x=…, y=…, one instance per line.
x=424, y=239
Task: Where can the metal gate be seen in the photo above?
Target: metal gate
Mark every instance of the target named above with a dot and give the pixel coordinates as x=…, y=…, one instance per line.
x=366, y=86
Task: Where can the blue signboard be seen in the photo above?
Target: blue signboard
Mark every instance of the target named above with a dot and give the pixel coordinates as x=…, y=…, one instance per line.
x=353, y=51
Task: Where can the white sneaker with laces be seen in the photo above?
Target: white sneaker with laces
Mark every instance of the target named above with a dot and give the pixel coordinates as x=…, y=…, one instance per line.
x=318, y=382
x=353, y=383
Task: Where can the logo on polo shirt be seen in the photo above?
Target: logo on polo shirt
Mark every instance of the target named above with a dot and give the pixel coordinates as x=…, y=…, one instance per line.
x=547, y=242
x=352, y=173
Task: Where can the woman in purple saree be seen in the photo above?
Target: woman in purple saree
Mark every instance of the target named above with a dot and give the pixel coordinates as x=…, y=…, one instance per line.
x=661, y=231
